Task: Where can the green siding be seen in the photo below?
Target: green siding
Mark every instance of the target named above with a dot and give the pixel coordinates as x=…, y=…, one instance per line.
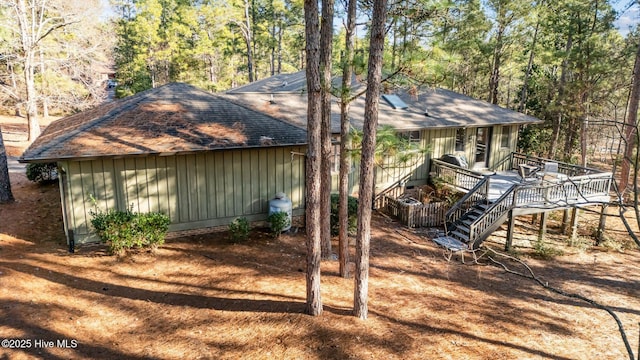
x=197, y=190
x=497, y=152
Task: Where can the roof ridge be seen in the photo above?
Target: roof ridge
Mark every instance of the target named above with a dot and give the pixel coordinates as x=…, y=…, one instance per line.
x=235, y=102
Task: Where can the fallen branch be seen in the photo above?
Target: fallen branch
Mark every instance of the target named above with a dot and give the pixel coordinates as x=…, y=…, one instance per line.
x=546, y=285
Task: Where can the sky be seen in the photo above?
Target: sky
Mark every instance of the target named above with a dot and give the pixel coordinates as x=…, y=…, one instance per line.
x=628, y=17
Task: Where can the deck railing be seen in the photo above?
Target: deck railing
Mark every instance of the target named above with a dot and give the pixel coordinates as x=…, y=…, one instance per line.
x=459, y=177
x=548, y=195
x=561, y=193
x=513, y=161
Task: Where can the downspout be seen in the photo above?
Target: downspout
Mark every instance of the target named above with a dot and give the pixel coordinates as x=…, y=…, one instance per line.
x=62, y=185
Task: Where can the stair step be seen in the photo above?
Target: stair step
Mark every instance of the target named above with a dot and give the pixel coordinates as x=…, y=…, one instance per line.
x=460, y=236
x=482, y=207
x=467, y=222
x=462, y=229
x=473, y=215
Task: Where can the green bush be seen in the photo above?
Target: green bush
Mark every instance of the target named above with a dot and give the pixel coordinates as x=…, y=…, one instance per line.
x=545, y=251
x=278, y=222
x=239, y=229
x=42, y=172
x=352, y=210
x=123, y=230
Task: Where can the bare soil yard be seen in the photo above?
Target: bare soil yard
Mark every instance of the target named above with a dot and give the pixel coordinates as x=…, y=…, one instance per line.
x=203, y=297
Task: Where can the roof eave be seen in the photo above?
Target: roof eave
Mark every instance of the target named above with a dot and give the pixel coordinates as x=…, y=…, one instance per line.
x=148, y=153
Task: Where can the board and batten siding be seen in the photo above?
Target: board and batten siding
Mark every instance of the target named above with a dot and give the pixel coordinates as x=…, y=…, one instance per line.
x=196, y=191
x=441, y=142
x=438, y=143
x=498, y=153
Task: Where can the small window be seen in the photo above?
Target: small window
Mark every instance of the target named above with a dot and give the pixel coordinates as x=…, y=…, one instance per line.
x=460, y=136
x=505, y=137
x=412, y=136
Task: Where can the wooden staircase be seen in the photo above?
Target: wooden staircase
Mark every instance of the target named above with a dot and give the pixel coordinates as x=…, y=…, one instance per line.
x=475, y=216
x=472, y=219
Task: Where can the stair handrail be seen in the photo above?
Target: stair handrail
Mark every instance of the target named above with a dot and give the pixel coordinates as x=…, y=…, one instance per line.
x=497, y=210
x=476, y=194
x=500, y=165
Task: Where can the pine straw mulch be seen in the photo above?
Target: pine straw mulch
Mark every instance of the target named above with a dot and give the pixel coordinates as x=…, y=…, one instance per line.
x=204, y=297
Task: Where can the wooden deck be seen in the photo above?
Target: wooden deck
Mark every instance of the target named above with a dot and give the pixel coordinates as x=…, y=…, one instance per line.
x=570, y=186
x=546, y=195
x=494, y=197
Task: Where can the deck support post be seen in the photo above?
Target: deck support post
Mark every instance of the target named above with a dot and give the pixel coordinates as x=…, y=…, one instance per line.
x=601, y=224
x=574, y=225
x=534, y=218
x=543, y=225
x=565, y=221
x=510, y=231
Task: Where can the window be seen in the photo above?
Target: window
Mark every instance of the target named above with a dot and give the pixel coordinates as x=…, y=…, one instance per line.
x=460, y=136
x=505, y=137
x=412, y=136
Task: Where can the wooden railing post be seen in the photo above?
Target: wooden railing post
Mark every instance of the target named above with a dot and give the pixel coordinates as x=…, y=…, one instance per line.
x=510, y=230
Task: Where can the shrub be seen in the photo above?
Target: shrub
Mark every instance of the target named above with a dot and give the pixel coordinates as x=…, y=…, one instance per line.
x=444, y=192
x=42, y=172
x=544, y=251
x=239, y=229
x=352, y=210
x=123, y=230
x=278, y=222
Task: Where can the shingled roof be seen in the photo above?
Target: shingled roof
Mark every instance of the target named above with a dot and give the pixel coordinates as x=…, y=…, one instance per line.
x=428, y=108
x=171, y=119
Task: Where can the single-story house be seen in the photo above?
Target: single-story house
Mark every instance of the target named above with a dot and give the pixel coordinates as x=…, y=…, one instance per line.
x=444, y=121
x=199, y=158
x=206, y=159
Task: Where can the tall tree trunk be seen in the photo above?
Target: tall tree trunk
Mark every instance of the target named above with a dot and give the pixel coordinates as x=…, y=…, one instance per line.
x=27, y=18
x=45, y=98
x=583, y=138
x=363, y=237
x=31, y=99
x=570, y=139
x=313, y=178
x=555, y=133
x=631, y=126
x=280, y=31
x=527, y=74
x=248, y=36
x=326, y=37
x=272, y=63
x=345, y=141
x=5, y=184
x=33, y=26
x=394, y=41
x=273, y=43
x=14, y=88
x=494, y=81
